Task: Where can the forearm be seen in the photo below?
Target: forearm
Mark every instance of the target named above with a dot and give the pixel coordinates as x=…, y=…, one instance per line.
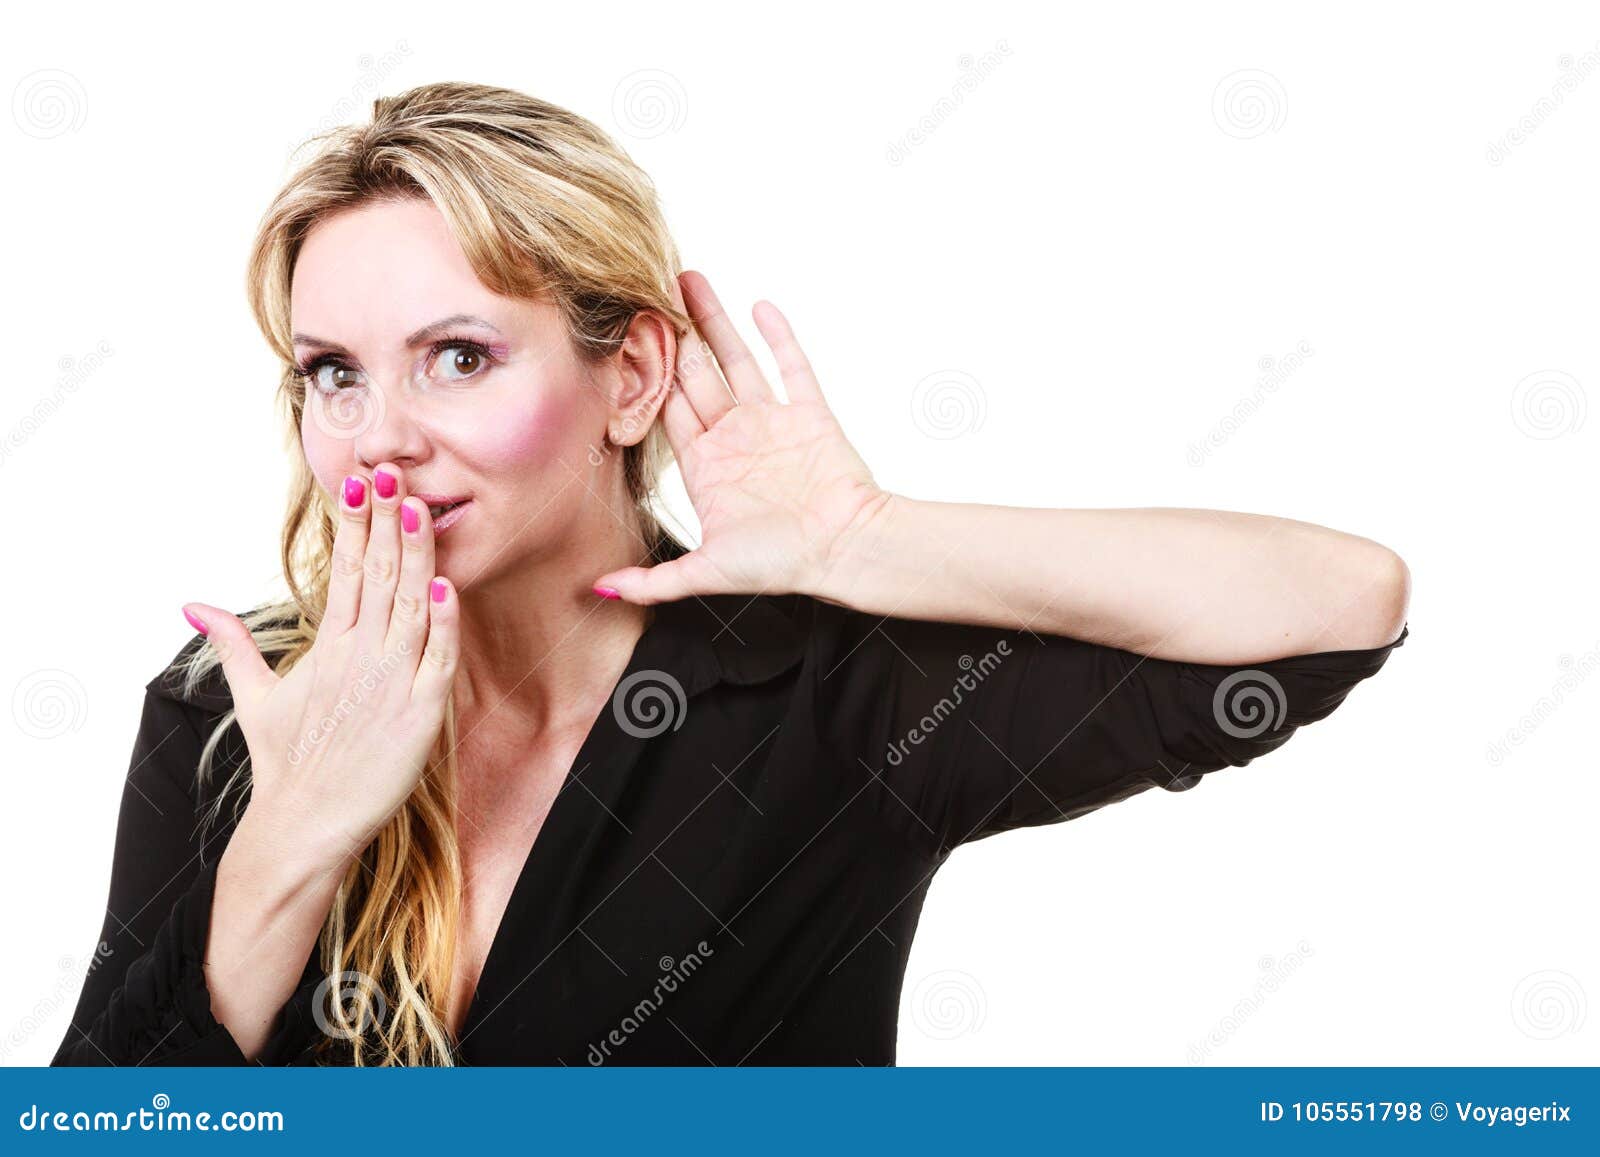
x=267, y=912
x=1203, y=586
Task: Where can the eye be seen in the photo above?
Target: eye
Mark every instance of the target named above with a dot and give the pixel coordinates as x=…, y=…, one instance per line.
x=328, y=375
x=456, y=360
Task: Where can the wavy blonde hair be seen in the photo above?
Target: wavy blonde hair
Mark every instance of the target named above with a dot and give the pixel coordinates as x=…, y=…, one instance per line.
x=545, y=206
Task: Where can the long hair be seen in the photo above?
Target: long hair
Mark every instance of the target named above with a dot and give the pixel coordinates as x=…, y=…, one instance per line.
x=544, y=205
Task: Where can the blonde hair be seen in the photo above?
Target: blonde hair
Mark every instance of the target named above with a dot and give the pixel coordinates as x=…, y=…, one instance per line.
x=544, y=205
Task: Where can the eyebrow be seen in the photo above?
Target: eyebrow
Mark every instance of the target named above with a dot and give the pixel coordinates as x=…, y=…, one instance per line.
x=425, y=334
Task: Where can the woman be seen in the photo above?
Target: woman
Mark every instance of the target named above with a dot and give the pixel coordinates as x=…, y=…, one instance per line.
x=513, y=776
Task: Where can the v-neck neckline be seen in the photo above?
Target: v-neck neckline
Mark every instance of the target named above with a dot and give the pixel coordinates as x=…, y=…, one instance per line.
x=607, y=753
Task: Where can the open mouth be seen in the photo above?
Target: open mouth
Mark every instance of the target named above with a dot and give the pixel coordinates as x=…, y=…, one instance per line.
x=445, y=511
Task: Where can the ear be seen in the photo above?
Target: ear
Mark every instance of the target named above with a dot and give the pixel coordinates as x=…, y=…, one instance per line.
x=640, y=375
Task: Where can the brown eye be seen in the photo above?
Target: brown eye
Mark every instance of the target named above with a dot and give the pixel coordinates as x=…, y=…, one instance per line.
x=458, y=362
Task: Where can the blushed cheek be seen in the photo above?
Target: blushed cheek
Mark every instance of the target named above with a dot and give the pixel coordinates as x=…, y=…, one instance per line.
x=542, y=434
x=328, y=458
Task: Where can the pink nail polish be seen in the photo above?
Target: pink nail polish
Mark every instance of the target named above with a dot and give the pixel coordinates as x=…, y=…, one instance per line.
x=409, y=519
x=355, y=491
x=607, y=592
x=439, y=589
x=196, y=623
x=383, y=482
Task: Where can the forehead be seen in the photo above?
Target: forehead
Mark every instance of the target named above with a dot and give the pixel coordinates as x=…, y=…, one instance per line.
x=372, y=273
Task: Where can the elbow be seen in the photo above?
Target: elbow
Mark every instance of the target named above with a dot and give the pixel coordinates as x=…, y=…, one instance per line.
x=1379, y=615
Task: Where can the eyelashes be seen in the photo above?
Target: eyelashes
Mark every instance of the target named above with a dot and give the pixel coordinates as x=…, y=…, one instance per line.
x=309, y=372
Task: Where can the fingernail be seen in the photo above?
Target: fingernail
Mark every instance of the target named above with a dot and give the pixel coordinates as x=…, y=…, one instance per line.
x=384, y=483
x=607, y=592
x=354, y=491
x=409, y=519
x=196, y=623
x=439, y=589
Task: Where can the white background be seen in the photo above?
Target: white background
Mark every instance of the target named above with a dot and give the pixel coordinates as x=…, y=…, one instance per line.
x=1095, y=250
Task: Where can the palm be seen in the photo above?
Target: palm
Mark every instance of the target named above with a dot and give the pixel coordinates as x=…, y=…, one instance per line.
x=776, y=485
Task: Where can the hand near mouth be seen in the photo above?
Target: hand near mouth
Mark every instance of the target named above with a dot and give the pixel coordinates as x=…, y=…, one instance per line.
x=777, y=486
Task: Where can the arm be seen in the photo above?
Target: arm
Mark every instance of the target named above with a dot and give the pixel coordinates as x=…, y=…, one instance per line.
x=1202, y=586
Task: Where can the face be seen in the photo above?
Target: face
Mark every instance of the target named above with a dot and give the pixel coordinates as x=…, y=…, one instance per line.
x=474, y=396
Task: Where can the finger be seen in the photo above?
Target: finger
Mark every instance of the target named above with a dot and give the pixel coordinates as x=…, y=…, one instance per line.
x=795, y=368
x=702, y=382
x=381, y=566
x=683, y=425
x=665, y=582
x=408, y=626
x=349, y=549
x=246, y=671
x=738, y=364
x=437, y=671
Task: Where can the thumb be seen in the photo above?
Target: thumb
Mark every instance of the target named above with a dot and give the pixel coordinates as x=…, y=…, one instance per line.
x=663, y=583
x=242, y=665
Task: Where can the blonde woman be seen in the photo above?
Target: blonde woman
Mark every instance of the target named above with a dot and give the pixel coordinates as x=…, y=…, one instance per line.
x=513, y=776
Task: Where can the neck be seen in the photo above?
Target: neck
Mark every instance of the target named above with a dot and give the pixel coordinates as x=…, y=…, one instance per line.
x=538, y=647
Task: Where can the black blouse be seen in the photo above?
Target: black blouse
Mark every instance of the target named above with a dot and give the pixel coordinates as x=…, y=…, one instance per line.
x=734, y=868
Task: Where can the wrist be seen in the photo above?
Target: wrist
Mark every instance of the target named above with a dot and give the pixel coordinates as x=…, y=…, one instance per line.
x=285, y=855
x=856, y=553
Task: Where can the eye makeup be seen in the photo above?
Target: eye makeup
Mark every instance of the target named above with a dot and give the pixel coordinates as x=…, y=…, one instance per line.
x=309, y=370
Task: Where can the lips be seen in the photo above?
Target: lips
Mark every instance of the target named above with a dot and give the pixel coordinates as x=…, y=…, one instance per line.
x=445, y=510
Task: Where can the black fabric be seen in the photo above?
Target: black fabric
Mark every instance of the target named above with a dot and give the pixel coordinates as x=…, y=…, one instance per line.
x=738, y=880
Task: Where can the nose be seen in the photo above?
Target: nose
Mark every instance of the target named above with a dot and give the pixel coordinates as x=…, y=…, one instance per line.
x=388, y=431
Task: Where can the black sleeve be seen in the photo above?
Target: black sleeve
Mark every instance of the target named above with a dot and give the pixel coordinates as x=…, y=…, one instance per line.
x=969, y=731
x=145, y=999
